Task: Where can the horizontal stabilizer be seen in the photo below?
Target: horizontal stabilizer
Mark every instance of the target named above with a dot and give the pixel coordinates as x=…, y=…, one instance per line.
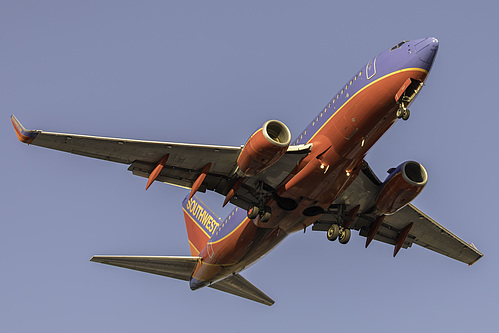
x=239, y=286
x=181, y=268
x=175, y=267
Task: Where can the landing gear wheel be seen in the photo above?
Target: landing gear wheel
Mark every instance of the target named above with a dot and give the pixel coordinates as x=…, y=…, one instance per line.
x=333, y=232
x=345, y=236
x=406, y=114
x=265, y=214
x=400, y=111
x=403, y=112
x=253, y=212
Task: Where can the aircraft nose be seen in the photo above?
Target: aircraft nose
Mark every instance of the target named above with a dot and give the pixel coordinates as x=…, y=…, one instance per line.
x=426, y=49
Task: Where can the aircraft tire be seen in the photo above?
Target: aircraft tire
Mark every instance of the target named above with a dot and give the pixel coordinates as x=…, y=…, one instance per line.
x=265, y=215
x=333, y=232
x=345, y=236
x=406, y=114
x=253, y=212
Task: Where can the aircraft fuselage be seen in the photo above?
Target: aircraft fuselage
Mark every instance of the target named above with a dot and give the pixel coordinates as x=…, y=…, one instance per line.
x=341, y=135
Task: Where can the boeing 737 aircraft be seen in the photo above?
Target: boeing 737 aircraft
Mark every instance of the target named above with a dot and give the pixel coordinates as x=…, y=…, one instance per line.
x=280, y=187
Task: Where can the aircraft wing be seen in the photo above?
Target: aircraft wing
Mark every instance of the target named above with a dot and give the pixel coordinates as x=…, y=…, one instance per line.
x=183, y=166
x=427, y=233
x=424, y=232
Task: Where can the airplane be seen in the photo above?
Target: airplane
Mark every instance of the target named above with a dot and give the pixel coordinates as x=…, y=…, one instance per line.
x=280, y=187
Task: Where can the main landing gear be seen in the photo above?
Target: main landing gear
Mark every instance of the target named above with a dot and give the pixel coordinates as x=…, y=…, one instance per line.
x=403, y=112
x=254, y=212
x=338, y=232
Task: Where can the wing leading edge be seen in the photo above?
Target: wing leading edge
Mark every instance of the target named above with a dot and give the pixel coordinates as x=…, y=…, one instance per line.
x=184, y=163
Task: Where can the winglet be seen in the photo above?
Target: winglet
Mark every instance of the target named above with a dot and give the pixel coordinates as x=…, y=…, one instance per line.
x=24, y=135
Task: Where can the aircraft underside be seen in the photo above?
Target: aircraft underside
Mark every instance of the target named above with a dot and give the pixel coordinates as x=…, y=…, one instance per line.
x=279, y=187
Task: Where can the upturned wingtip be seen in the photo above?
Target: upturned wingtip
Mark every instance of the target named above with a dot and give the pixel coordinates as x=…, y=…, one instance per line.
x=24, y=135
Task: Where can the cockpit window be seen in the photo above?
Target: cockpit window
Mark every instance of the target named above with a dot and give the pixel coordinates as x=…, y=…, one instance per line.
x=398, y=45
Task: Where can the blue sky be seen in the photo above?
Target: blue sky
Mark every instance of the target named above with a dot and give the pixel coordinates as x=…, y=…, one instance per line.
x=212, y=72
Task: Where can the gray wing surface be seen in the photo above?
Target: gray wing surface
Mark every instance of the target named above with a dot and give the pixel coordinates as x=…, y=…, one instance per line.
x=182, y=268
x=174, y=267
x=239, y=286
x=425, y=231
x=184, y=163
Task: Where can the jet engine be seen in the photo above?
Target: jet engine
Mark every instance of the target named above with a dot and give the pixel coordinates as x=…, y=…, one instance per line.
x=403, y=184
x=265, y=147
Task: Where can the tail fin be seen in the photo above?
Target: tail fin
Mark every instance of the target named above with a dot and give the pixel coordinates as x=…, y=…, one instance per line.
x=201, y=223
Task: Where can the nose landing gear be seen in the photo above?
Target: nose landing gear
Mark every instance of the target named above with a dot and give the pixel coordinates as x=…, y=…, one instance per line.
x=403, y=112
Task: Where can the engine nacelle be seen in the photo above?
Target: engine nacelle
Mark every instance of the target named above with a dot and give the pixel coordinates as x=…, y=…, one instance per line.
x=403, y=184
x=265, y=147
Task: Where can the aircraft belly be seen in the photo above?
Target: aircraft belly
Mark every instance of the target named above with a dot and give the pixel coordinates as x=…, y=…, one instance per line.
x=343, y=142
x=234, y=255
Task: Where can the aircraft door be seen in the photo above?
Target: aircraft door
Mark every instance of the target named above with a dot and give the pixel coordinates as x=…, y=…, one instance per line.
x=371, y=69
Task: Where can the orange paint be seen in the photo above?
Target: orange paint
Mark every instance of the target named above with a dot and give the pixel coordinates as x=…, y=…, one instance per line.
x=233, y=191
x=199, y=180
x=401, y=238
x=155, y=173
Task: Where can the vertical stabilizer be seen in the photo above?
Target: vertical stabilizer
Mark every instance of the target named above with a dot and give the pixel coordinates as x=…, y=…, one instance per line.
x=201, y=223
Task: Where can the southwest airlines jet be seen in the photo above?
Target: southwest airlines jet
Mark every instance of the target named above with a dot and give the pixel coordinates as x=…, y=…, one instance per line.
x=279, y=186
